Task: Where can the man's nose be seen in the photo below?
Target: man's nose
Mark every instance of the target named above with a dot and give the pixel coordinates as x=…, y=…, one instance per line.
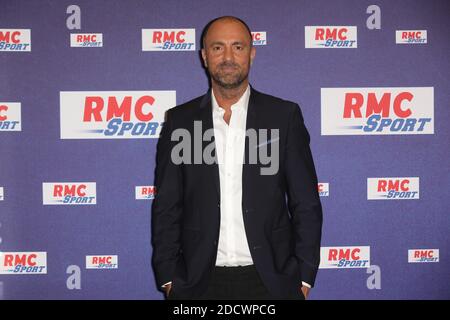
x=228, y=54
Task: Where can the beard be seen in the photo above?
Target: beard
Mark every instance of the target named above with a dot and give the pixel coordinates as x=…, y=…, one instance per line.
x=229, y=75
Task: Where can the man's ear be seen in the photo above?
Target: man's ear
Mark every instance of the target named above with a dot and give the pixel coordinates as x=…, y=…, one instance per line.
x=204, y=58
x=252, y=54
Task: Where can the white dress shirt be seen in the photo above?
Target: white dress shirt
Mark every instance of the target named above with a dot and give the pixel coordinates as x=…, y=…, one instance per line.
x=229, y=138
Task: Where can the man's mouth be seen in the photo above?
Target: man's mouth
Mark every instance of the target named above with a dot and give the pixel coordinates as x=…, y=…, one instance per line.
x=228, y=68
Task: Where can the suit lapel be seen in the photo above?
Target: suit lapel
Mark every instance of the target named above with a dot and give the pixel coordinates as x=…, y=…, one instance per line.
x=249, y=170
x=205, y=116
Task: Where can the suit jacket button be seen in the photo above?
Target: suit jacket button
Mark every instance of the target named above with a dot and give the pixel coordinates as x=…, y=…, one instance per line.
x=215, y=243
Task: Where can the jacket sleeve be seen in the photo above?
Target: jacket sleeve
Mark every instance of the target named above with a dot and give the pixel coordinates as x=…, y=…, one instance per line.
x=303, y=197
x=167, y=208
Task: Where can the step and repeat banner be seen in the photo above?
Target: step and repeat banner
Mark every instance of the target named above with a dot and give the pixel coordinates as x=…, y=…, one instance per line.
x=84, y=86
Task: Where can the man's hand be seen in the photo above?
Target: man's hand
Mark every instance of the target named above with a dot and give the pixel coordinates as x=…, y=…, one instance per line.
x=305, y=291
x=167, y=288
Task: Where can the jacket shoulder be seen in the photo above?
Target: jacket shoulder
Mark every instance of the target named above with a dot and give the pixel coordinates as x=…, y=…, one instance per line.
x=274, y=103
x=185, y=109
x=271, y=98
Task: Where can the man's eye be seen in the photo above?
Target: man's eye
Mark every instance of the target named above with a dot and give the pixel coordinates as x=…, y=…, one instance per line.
x=217, y=48
x=239, y=47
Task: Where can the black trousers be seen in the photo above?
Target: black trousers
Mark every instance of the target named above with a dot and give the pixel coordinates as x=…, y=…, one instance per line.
x=229, y=283
x=235, y=283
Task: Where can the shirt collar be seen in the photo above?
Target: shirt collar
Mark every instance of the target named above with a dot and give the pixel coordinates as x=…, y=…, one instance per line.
x=241, y=104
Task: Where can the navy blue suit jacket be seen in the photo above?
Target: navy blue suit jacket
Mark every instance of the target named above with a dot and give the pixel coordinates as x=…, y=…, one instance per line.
x=282, y=212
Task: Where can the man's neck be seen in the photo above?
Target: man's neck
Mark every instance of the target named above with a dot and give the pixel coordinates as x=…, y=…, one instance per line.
x=227, y=97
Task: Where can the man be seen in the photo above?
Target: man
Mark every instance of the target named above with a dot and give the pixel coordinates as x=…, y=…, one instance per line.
x=223, y=229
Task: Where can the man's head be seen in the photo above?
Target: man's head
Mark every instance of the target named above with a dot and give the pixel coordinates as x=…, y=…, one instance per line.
x=228, y=51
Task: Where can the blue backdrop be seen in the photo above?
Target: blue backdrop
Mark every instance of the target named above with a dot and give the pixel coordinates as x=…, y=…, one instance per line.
x=119, y=225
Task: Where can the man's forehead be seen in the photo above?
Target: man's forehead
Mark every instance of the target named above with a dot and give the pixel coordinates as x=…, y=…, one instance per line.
x=227, y=28
x=226, y=21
